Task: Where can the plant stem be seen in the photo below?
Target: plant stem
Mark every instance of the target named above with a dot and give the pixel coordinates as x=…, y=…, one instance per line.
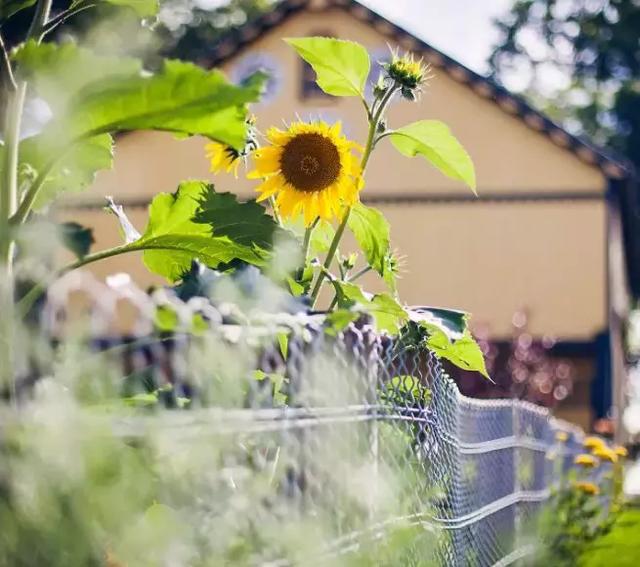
x=373, y=126
x=360, y=273
x=64, y=16
x=39, y=22
x=274, y=208
x=6, y=72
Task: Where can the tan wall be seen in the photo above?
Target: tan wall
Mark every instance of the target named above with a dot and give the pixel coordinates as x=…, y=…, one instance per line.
x=491, y=257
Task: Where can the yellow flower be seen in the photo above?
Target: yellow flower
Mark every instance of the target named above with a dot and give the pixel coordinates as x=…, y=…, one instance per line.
x=587, y=461
x=593, y=442
x=407, y=72
x=605, y=454
x=587, y=487
x=223, y=157
x=562, y=436
x=621, y=451
x=311, y=169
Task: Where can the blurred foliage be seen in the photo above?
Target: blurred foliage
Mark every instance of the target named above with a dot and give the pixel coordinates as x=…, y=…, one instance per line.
x=595, y=43
x=621, y=542
x=183, y=29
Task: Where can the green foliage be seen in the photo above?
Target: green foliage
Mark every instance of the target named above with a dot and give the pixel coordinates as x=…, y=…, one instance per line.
x=10, y=7
x=371, y=230
x=433, y=140
x=387, y=313
x=74, y=172
x=183, y=227
x=144, y=8
x=76, y=238
x=621, y=543
x=342, y=67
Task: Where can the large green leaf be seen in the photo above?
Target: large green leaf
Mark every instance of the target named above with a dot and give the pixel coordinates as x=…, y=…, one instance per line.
x=60, y=71
x=173, y=239
x=9, y=7
x=387, y=313
x=371, y=230
x=247, y=223
x=101, y=95
x=342, y=67
x=73, y=172
x=434, y=141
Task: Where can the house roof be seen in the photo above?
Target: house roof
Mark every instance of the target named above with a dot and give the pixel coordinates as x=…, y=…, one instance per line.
x=613, y=166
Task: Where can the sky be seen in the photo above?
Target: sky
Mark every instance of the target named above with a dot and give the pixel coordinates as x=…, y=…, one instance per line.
x=460, y=28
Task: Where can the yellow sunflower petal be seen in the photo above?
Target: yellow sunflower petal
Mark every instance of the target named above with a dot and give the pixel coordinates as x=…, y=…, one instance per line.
x=268, y=187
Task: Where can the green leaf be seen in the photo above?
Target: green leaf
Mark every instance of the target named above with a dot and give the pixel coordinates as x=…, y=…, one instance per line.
x=342, y=67
x=74, y=172
x=166, y=319
x=452, y=322
x=76, y=238
x=10, y=7
x=339, y=320
x=283, y=343
x=371, y=230
x=173, y=239
x=433, y=140
x=95, y=94
x=247, y=224
x=463, y=352
x=387, y=313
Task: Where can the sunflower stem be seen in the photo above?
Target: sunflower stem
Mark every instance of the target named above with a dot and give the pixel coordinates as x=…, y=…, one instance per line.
x=373, y=127
x=306, y=244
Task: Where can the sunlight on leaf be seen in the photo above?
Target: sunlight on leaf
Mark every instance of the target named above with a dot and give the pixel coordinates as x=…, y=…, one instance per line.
x=371, y=230
x=433, y=140
x=342, y=67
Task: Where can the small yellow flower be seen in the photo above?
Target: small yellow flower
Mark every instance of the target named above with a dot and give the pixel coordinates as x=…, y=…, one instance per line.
x=586, y=461
x=592, y=442
x=605, y=454
x=621, y=451
x=587, y=488
x=407, y=71
x=223, y=157
x=562, y=436
x=310, y=169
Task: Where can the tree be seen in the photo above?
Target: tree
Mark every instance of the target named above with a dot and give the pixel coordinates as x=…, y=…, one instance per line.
x=594, y=45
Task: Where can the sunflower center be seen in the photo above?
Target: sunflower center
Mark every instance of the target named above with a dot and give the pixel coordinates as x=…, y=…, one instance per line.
x=310, y=162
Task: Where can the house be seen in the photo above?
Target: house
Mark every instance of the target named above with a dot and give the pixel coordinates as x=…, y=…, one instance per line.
x=550, y=229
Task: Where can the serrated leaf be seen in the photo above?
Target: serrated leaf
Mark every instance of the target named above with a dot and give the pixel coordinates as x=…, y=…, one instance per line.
x=433, y=140
x=339, y=320
x=342, y=67
x=247, y=223
x=464, y=352
x=371, y=231
x=173, y=240
x=387, y=313
x=76, y=238
x=96, y=94
x=74, y=172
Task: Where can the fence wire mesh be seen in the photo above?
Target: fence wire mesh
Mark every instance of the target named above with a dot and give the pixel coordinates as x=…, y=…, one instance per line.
x=349, y=449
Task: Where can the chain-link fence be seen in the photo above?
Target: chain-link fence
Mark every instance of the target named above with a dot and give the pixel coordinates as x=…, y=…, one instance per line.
x=344, y=446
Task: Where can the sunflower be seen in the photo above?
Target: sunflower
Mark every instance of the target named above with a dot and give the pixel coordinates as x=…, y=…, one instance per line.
x=586, y=461
x=593, y=443
x=605, y=454
x=223, y=157
x=621, y=451
x=587, y=487
x=310, y=169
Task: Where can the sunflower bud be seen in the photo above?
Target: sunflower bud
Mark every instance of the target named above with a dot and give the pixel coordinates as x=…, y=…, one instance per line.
x=408, y=73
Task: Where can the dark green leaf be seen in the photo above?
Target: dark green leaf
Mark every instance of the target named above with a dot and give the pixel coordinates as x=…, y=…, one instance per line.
x=76, y=238
x=342, y=67
x=434, y=141
x=172, y=240
x=10, y=7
